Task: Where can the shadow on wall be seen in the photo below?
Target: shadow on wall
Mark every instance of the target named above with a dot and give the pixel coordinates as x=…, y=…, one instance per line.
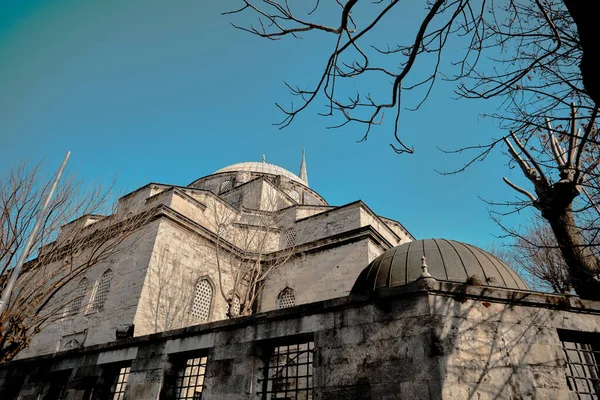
x=496, y=350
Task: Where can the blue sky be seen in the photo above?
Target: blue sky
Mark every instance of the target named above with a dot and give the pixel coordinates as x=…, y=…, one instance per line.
x=150, y=90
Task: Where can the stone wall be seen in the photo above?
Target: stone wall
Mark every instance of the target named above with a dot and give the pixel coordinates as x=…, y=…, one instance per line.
x=128, y=263
x=441, y=341
x=180, y=258
x=316, y=276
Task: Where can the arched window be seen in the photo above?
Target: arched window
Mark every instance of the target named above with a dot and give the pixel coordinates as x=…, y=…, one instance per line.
x=290, y=237
x=286, y=298
x=226, y=185
x=202, y=300
x=294, y=194
x=102, y=290
x=235, y=307
x=79, y=295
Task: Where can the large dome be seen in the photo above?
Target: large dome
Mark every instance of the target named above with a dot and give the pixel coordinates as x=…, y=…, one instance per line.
x=262, y=168
x=447, y=260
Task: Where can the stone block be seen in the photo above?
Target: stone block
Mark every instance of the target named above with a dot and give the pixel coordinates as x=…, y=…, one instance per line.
x=314, y=323
x=389, y=308
x=114, y=356
x=349, y=392
x=232, y=351
x=330, y=338
x=357, y=316
x=352, y=335
x=190, y=343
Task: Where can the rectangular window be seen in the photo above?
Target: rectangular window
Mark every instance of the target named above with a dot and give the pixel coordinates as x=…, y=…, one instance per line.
x=189, y=382
x=289, y=372
x=582, y=353
x=59, y=382
x=117, y=389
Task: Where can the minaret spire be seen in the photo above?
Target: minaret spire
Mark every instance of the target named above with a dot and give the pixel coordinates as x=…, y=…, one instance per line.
x=302, y=173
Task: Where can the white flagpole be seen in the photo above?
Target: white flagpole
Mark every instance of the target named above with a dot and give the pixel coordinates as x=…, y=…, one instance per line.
x=14, y=274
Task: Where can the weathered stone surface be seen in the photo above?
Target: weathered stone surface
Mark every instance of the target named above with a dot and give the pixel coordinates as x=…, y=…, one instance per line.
x=453, y=354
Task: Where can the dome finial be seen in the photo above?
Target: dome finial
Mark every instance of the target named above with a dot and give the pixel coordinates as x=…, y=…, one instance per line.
x=264, y=159
x=303, y=175
x=425, y=274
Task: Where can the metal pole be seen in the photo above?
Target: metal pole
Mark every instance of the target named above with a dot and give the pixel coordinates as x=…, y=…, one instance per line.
x=14, y=274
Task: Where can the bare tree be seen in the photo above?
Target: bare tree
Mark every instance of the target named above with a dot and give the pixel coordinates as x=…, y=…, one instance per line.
x=531, y=47
x=74, y=236
x=169, y=288
x=535, y=255
x=540, y=58
x=539, y=254
x=559, y=169
x=248, y=248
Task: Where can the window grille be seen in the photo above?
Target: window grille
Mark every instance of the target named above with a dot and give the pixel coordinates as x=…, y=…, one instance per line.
x=190, y=379
x=202, y=300
x=582, y=353
x=226, y=185
x=117, y=390
x=79, y=293
x=294, y=194
x=290, y=237
x=102, y=290
x=222, y=230
x=235, y=307
x=289, y=372
x=286, y=298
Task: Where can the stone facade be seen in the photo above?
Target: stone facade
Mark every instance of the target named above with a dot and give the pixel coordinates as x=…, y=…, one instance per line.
x=209, y=231
x=345, y=308
x=424, y=340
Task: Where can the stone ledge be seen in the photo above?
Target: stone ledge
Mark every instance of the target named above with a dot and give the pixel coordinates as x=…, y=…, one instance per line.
x=446, y=289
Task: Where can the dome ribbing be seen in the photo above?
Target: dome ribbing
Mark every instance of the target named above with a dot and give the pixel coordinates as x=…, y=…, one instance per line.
x=447, y=260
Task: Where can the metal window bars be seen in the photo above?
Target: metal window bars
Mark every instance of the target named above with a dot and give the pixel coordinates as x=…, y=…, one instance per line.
x=286, y=298
x=226, y=186
x=117, y=389
x=290, y=237
x=289, y=372
x=190, y=379
x=102, y=290
x=202, y=300
x=79, y=295
x=583, y=364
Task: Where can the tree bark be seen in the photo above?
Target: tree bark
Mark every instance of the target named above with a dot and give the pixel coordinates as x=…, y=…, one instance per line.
x=582, y=263
x=585, y=14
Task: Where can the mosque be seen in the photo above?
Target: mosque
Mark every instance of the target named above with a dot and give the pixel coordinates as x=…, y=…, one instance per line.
x=247, y=284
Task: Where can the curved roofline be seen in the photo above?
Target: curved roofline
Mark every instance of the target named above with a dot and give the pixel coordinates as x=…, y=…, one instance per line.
x=256, y=172
x=304, y=187
x=458, y=261
x=261, y=168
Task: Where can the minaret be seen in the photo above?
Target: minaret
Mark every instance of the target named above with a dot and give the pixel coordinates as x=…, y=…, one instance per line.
x=302, y=173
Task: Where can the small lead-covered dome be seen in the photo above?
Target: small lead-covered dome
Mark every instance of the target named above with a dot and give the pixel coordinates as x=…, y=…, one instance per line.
x=447, y=260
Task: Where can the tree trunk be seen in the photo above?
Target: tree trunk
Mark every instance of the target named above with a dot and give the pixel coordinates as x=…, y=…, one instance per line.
x=582, y=263
x=585, y=14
